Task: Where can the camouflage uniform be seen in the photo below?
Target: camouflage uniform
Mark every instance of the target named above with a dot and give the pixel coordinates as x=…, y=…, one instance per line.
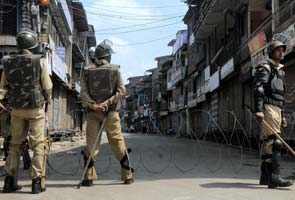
x=269, y=93
x=5, y=130
x=26, y=82
x=272, y=108
x=102, y=83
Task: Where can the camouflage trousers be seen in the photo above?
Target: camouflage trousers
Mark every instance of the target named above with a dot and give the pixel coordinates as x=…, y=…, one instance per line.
x=5, y=124
x=115, y=138
x=27, y=123
x=273, y=116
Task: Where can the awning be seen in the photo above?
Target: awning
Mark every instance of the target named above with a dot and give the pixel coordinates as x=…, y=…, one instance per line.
x=78, y=56
x=80, y=17
x=91, y=39
x=213, y=14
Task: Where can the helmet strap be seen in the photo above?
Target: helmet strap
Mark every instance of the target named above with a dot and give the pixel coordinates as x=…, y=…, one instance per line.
x=108, y=58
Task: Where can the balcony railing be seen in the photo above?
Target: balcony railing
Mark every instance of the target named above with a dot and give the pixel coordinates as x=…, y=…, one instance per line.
x=279, y=21
x=172, y=106
x=196, y=55
x=177, y=75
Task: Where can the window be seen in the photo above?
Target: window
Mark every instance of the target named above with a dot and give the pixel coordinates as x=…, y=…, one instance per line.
x=244, y=22
x=169, y=76
x=195, y=84
x=8, y=15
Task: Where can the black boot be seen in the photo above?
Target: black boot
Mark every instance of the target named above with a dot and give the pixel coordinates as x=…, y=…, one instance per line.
x=125, y=165
x=36, y=185
x=278, y=181
x=263, y=176
x=128, y=181
x=87, y=183
x=9, y=185
x=275, y=180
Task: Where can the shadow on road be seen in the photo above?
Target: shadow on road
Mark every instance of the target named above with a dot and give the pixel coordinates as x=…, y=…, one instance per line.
x=161, y=158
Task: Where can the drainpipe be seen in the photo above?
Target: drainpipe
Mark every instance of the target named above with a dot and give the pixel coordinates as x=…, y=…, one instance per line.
x=84, y=47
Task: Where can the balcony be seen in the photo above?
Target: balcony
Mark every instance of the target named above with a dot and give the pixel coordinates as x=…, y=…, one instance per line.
x=62, y=17
x=191, y=99
x=177, y=104
x=180, y=102
x=180, y=42
x=196, y=56
x=91, y=39
x=281, y=21
x=172, y=106
x=163, y=89
x=177, y=74
x=283, y=16
x=227, y=51
x=164, y=106
x=78, y=56
x=80, y=17
x=201, y=94
x=210, y=15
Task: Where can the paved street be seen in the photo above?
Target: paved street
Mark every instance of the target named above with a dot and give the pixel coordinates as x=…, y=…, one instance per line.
x=166, y=169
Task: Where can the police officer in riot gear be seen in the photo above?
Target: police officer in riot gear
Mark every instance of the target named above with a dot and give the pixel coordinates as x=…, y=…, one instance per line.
x=102, y=88
x=26, y=83
x=269, y=90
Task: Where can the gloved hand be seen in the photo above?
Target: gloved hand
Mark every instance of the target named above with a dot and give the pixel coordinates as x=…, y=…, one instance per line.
x=260, y=117
x=284, y=123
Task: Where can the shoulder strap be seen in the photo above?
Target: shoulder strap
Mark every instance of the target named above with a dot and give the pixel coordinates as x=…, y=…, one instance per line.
x=36, y=60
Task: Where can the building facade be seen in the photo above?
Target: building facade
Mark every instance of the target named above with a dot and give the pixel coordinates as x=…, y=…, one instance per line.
x=206, y=84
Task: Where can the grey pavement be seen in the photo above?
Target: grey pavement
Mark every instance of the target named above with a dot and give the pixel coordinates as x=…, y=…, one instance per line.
x=166, y=168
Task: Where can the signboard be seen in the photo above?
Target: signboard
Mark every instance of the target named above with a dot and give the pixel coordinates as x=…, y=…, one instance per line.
x=61, y=52
x=214, y=81
x=207, y=73
x=227, y=68
x=58, y=67
x=65, y=8
x=289, y=33
x=257, y=42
